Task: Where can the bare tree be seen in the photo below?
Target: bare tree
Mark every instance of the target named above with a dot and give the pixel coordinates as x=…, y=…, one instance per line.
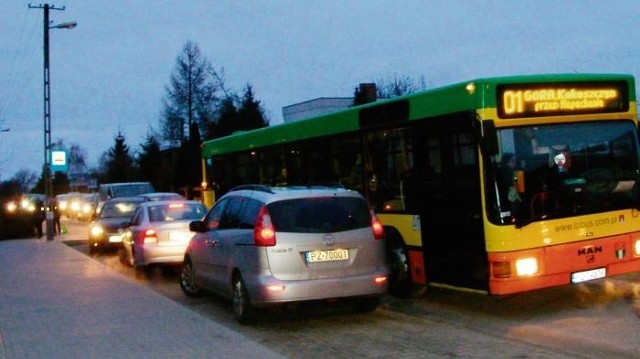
x=25, y=180
x=191, y=96
x=399, y=85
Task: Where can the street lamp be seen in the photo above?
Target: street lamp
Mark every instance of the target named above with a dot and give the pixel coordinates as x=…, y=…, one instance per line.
x=65, y=25
x=48, y=184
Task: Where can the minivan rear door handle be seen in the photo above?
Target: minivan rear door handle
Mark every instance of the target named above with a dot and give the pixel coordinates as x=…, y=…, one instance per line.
x=211, y=242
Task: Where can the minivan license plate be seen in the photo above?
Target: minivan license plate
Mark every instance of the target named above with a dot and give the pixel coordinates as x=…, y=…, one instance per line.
x=327, y=256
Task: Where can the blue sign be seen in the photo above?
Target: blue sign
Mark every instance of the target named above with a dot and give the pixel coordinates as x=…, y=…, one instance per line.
x=59, y=162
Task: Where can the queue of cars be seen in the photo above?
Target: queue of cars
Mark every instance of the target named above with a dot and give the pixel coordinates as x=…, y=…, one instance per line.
x=76, y=205
x=258, y=245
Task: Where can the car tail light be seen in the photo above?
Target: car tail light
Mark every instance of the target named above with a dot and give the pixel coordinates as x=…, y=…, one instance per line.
x=149, y=236
x=264, y=233
x=376, y=225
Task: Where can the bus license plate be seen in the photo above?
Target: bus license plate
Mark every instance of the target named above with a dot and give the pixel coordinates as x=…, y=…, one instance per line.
x=327, y=256
x=579, y=277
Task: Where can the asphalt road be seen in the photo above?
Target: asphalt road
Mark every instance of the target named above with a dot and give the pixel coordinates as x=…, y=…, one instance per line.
x=599, y=319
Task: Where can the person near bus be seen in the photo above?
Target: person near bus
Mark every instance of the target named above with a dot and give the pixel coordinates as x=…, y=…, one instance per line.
x=507, y=180
x=38, y=217
x=56, y=216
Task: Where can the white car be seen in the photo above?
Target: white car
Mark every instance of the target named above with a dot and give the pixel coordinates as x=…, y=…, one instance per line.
x=159, y=232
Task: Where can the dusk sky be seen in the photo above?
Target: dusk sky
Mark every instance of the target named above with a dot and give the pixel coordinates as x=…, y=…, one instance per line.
x=109, y=73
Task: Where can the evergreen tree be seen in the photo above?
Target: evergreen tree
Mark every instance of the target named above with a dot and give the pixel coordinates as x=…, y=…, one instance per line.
x=119, y=162
x=228, y=118
x=151, y=166
x=250, y=114
x=59, y=182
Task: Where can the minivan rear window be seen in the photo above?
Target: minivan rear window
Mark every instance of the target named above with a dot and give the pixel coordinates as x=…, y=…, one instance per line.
x=320, y=214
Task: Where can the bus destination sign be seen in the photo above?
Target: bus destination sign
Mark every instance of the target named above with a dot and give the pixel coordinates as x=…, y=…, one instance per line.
x=550, y=99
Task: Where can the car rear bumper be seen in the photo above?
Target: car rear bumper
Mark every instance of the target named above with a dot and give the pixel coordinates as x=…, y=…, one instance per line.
x=150, y=254
x=268, y=290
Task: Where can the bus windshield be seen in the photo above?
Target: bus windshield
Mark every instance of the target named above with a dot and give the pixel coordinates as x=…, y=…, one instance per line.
x=561, y=170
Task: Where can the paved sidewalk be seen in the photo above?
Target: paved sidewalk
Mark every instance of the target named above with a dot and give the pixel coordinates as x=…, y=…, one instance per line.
x=58, y=303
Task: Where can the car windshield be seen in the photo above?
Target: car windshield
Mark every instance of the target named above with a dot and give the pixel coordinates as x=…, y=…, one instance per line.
x=320, y=214
x=176, y=212
x=556, y=171
x=118, y=209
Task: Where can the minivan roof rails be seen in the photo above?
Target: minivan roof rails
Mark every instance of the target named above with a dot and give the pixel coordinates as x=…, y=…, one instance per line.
x=252, y=187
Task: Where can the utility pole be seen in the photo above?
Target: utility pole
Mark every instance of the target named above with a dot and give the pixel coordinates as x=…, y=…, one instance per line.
x=46, y=170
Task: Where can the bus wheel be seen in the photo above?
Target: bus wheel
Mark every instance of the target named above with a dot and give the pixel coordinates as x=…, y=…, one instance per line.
x=400, y=284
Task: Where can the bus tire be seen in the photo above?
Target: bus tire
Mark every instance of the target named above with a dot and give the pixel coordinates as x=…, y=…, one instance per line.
x=400, y=283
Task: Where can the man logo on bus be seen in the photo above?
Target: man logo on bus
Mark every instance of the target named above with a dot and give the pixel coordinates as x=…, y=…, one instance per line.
x=589, y=250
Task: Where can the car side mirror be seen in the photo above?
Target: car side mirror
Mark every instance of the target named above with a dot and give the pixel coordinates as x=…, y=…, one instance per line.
x=197, y=226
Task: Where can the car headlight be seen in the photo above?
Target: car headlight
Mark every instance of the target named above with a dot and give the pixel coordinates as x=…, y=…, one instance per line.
x=12, y=207
x=96, y=231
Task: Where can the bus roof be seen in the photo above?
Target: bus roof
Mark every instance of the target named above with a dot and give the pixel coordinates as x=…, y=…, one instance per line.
x=460, y=97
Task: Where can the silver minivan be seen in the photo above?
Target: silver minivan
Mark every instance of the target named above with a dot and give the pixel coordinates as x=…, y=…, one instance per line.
x=264, y=245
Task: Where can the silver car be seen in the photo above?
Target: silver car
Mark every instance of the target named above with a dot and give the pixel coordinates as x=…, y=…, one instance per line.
x=267, y=245
x=159, y=232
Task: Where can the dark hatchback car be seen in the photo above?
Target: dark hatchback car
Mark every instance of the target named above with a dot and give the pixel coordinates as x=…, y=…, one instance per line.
x=109, y=224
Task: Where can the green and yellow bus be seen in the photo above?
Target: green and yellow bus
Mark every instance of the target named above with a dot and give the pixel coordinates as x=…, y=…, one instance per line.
x=496, y=185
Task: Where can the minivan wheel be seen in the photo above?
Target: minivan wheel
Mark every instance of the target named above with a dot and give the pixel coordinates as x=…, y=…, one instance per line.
x=242, y=309
x=400, y=277
x=365, y=304
x=187, y=280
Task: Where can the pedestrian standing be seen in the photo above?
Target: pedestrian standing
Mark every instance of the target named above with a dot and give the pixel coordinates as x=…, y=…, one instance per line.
x=56, y=216
x=38, y=217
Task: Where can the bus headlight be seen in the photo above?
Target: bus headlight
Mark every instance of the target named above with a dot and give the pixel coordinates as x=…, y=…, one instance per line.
x=526, y=266
x=637, y=247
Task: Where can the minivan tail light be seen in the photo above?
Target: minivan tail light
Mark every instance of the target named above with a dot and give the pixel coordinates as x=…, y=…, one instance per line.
x=264, y=233
x=376, y=225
